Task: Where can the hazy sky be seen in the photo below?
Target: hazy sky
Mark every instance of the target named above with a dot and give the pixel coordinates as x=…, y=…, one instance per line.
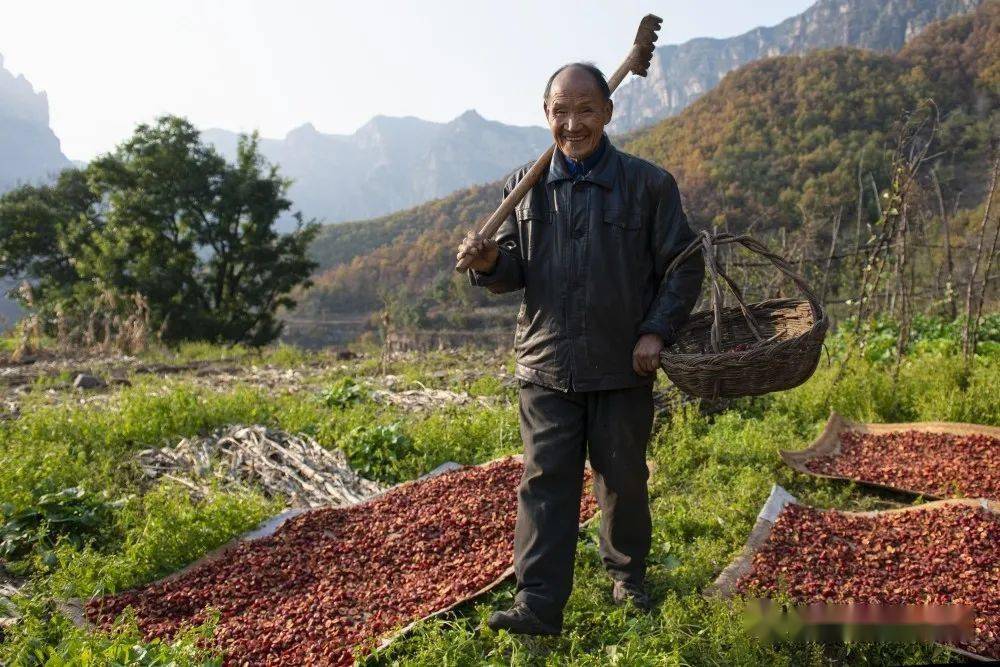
x=107, y=65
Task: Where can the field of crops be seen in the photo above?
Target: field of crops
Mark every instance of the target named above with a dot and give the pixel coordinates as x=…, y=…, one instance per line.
x=81, y=519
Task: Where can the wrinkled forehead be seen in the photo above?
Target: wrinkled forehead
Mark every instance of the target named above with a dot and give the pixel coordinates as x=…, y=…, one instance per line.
x=574, y=84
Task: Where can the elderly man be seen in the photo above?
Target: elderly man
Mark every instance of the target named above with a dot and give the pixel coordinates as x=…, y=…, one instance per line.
x=589, y=245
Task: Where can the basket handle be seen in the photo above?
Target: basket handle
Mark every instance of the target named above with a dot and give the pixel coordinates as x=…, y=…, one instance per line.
x=705, y=242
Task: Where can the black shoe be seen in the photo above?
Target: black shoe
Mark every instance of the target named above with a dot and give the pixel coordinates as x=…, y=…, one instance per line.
x=626, y=590
x=520, y=620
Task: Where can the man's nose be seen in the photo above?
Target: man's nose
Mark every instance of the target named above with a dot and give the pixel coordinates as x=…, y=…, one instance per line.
x=572, y=122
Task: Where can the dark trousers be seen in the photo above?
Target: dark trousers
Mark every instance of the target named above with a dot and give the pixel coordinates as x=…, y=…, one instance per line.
x=558, y=429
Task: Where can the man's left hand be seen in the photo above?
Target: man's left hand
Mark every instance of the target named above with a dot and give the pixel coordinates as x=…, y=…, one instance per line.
x=646, y=355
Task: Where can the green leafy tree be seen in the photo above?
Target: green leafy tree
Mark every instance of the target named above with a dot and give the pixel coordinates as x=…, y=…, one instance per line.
x=41, y=226
x=166, y=217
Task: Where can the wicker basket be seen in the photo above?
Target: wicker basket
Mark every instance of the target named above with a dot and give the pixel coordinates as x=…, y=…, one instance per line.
x=745, y=350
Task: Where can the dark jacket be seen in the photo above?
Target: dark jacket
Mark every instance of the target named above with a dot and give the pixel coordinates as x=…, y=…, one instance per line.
x=591, y=254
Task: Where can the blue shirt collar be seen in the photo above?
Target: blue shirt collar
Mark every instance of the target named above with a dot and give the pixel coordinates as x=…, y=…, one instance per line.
x=603, y=173
x=578, y=168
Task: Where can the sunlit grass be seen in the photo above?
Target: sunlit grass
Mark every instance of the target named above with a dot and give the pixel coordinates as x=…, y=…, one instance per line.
x=711, y=476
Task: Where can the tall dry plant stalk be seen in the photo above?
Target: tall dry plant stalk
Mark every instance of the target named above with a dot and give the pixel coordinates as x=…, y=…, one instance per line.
x=386, y=339
x=108, y=323
x=126, y=322
x=29, y=328
x=946, y=229
x=63, y=333
x=887, y=245
x=133, y=334
x=973, y=305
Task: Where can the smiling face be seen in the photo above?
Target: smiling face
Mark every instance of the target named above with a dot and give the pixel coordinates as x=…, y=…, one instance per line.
x=577, y=112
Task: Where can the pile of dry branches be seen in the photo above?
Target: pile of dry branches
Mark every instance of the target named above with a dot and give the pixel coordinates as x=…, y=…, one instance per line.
x=293, y=467
x=9, y=588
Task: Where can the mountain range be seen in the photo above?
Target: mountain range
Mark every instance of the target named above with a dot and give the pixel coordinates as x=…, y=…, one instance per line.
x=775, y=148
x=390, y=163
x=681, y=73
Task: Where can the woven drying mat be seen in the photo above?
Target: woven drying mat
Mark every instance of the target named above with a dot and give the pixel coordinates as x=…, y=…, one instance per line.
x=724, y=585
x=74, y=608
x=828, y=444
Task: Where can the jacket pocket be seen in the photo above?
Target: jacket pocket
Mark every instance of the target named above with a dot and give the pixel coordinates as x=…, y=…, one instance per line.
x=524, y=215
x=623, y=219
x=532, y=222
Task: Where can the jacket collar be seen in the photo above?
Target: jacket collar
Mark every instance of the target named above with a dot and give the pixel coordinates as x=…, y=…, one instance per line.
x=603, y=173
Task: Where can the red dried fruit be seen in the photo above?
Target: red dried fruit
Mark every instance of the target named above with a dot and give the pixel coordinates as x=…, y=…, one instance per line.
x=941, y=555
x=330, y=579
x=935, y=464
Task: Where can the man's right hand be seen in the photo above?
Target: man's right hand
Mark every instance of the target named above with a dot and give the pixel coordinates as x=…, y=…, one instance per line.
x=484, y=252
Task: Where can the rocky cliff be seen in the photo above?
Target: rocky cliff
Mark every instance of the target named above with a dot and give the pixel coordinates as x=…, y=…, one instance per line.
x=29, y=150
x=681, y=73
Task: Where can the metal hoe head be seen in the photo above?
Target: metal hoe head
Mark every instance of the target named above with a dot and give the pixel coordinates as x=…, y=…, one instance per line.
x=642, y=51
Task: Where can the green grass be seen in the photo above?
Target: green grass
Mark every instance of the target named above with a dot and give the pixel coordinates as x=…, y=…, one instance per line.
x=712, y=475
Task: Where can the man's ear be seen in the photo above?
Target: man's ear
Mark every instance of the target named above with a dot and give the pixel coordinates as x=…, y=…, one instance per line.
x=609, y=111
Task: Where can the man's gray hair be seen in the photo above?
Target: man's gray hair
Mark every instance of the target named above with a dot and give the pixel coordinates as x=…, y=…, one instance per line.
x=589, y=68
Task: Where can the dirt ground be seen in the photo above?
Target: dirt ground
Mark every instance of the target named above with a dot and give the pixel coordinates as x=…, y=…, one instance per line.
x=52, y=380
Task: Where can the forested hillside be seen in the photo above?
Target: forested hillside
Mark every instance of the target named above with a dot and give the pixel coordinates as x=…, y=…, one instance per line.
x=781, y=139
x=340, y=244
x=779, y=145
x=681, y=73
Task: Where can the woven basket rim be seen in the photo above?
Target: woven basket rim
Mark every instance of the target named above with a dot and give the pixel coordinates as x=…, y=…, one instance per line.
x=817, y=329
